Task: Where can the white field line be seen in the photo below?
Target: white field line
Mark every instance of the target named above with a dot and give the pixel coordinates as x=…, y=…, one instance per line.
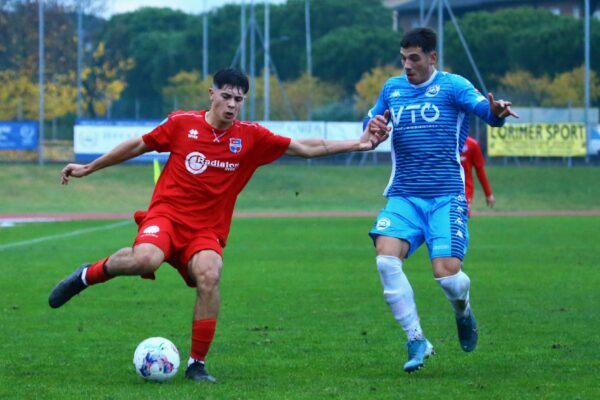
x=63, y=235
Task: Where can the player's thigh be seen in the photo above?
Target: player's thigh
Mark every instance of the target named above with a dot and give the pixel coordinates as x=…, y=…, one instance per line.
x=159, y=232
x=398, y=229
x=391, y=246
x=447, y=234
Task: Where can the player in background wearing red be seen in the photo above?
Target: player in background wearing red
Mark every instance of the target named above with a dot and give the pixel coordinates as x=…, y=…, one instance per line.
x=212, y=157
x=472, y=156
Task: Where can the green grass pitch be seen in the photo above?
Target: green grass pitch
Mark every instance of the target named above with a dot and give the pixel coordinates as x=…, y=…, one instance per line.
x=303, y=316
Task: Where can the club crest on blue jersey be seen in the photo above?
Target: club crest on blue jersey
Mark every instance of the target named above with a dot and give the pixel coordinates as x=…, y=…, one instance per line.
x=432, y=91
x=235, y=145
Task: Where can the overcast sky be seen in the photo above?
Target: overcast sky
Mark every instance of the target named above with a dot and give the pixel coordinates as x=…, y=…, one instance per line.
x=189, y=6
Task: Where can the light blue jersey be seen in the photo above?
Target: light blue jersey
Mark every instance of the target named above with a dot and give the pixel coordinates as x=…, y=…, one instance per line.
x=430, y=125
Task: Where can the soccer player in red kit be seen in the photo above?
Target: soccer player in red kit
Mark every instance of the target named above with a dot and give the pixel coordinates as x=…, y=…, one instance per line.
x=212, y=157
x=472, y=156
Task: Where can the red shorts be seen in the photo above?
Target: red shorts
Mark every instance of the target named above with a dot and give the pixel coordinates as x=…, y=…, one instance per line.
x=178, y=242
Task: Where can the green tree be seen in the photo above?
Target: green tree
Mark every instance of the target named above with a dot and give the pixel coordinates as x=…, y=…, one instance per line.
x=345, y=54
x=158, y=42
x=288, y=21
x=533, y=40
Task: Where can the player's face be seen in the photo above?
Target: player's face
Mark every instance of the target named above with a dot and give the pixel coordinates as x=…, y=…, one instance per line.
x=418, y=65
x=226, y=103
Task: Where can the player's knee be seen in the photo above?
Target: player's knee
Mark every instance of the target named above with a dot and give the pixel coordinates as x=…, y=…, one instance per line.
x=446, y=266
x=146, y=261
x=394, y=282
x=206, y=270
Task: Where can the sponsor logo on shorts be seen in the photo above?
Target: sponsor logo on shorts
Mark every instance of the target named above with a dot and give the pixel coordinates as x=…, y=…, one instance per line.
x=383, y=223
x=460, y=234
x=197, y=163
x=151, y=230
x=441, y=247
x=459, y=221
x=460, y=197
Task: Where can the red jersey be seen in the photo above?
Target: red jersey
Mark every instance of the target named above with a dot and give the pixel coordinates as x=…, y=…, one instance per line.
x=471, y=156
x=207, y=168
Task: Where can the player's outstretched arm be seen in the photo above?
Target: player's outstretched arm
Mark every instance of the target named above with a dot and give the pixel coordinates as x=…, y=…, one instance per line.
x=126, y=150
x=309, y=148
x=501, y=108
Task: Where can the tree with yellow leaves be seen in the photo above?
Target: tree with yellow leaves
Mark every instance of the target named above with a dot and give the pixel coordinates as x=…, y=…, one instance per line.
x=103, y=81
x=186, y=91
x=367, y=89
x=565, y=89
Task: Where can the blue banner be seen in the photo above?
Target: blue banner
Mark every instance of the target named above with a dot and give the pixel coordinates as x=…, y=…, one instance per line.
x=22, y=135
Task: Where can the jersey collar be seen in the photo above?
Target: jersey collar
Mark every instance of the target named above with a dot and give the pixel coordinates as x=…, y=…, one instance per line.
x=427, y=82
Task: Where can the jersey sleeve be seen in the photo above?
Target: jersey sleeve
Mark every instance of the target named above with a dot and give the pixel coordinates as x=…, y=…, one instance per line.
x=472, y=101
x=159, y=139
x=269, y=146
x=467, y=96
x=379, y=107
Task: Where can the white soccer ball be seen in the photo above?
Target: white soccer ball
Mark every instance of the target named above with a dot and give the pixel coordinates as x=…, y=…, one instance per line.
x=156, y=359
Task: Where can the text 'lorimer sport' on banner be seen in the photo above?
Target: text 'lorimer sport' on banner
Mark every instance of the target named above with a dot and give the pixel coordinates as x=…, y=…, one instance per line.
x=540, y=140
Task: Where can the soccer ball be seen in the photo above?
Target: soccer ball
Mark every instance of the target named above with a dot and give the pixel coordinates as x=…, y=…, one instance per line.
x=156, y=359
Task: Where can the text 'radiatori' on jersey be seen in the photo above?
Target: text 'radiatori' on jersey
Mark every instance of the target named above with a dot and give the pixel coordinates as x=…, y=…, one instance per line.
x=196, y=163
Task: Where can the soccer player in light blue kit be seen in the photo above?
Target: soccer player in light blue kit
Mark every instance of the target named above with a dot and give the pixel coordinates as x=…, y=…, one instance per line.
x=428, y=110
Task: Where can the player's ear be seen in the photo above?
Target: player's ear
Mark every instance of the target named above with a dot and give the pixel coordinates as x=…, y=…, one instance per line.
x=433, y=56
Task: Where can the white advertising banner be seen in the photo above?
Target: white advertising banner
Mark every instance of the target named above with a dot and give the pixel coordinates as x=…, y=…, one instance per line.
x=93, y=138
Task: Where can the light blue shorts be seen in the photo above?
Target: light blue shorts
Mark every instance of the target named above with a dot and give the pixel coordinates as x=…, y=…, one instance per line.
x=441, y=222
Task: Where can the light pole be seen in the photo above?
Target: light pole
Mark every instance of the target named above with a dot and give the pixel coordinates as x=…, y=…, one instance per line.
x=41, y=80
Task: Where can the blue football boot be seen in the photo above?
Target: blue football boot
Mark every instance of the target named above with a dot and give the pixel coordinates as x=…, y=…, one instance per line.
x=467, y=331
x=416, y=355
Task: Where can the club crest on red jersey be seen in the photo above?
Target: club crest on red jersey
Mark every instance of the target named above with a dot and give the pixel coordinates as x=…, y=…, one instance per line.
x=235, y=145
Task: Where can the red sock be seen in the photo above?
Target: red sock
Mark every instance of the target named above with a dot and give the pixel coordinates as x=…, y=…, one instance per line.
x=203, y=331
x=96, y=273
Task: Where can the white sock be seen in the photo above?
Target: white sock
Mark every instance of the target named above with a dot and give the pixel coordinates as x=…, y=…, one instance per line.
x=399, y=295
x=456, y=288
x=193, y=360
x=83, y=275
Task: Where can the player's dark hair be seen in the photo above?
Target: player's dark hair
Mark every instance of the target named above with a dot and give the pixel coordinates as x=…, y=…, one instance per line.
x=231, y=77
x=425, y=38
